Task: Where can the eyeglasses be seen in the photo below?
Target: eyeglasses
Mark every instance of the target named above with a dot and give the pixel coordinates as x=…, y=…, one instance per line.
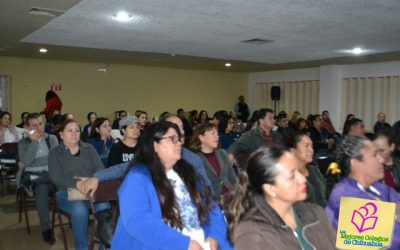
x=174, y=139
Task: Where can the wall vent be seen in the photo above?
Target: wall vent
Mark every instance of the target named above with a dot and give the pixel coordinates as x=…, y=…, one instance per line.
x=39, y=11
x=258, y=41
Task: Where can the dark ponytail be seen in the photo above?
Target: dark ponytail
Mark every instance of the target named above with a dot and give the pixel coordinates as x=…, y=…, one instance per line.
x=262, y=168
x=237, y=204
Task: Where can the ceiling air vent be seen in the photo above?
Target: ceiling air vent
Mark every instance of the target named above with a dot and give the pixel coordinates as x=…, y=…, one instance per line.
x=38, y=11
x=257, y=41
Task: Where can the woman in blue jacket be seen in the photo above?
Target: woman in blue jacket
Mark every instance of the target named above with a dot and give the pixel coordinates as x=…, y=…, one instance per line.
x=162, y=202
x=101, y=138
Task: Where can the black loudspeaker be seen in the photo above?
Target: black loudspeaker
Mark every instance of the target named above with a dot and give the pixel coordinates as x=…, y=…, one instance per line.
x=276, y=93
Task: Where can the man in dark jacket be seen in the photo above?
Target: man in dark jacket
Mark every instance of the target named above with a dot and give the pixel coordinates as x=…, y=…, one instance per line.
x=381, y=125
x=255, y=138
x=242, y=110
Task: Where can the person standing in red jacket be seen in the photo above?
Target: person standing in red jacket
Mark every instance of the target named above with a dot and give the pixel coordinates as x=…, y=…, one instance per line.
x=53, y=103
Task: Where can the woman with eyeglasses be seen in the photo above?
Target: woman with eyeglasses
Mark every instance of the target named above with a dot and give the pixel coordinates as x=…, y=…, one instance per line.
x=163, y=202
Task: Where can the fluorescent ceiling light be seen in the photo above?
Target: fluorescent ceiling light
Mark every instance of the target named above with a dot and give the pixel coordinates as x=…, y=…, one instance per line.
x=43, y=50
x=228, y=64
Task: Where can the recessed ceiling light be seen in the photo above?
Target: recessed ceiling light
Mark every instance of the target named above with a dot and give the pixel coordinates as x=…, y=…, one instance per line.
x=228, y=64
x=356, y=51
x=122, y=16
x=43, y=50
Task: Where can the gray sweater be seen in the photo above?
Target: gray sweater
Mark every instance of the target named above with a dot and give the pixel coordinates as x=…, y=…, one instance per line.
x=64, y=168
x=227, y=176
x=28, y=151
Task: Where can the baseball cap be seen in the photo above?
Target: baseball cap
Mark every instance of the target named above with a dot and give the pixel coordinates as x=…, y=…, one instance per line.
x=128, y=120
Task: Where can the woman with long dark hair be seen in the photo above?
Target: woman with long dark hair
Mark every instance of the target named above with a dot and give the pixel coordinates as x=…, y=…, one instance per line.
x=226, y=134
x=101, y=138
x=267, y=211
x=202, y=117
x=163, y=204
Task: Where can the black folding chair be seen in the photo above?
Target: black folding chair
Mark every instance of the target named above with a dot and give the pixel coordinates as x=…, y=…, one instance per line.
x=8, y=163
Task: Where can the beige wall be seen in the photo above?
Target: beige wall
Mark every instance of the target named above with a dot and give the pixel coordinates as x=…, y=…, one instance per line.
x=129, y=87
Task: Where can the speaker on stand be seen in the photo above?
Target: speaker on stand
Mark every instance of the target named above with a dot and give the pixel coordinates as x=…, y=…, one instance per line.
x=275, y=95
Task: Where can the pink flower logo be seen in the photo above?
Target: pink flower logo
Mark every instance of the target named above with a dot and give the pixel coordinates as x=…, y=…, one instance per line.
x=363, y=218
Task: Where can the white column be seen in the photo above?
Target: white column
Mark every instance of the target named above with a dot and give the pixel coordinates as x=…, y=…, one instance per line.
x=330, y=93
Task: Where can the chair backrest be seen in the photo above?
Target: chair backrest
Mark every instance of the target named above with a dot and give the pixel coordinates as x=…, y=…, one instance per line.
x=323, y=163
x=9, y=148
x=107, y=191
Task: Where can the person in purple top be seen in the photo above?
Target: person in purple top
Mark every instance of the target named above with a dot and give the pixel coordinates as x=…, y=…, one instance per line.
x=363, y=164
